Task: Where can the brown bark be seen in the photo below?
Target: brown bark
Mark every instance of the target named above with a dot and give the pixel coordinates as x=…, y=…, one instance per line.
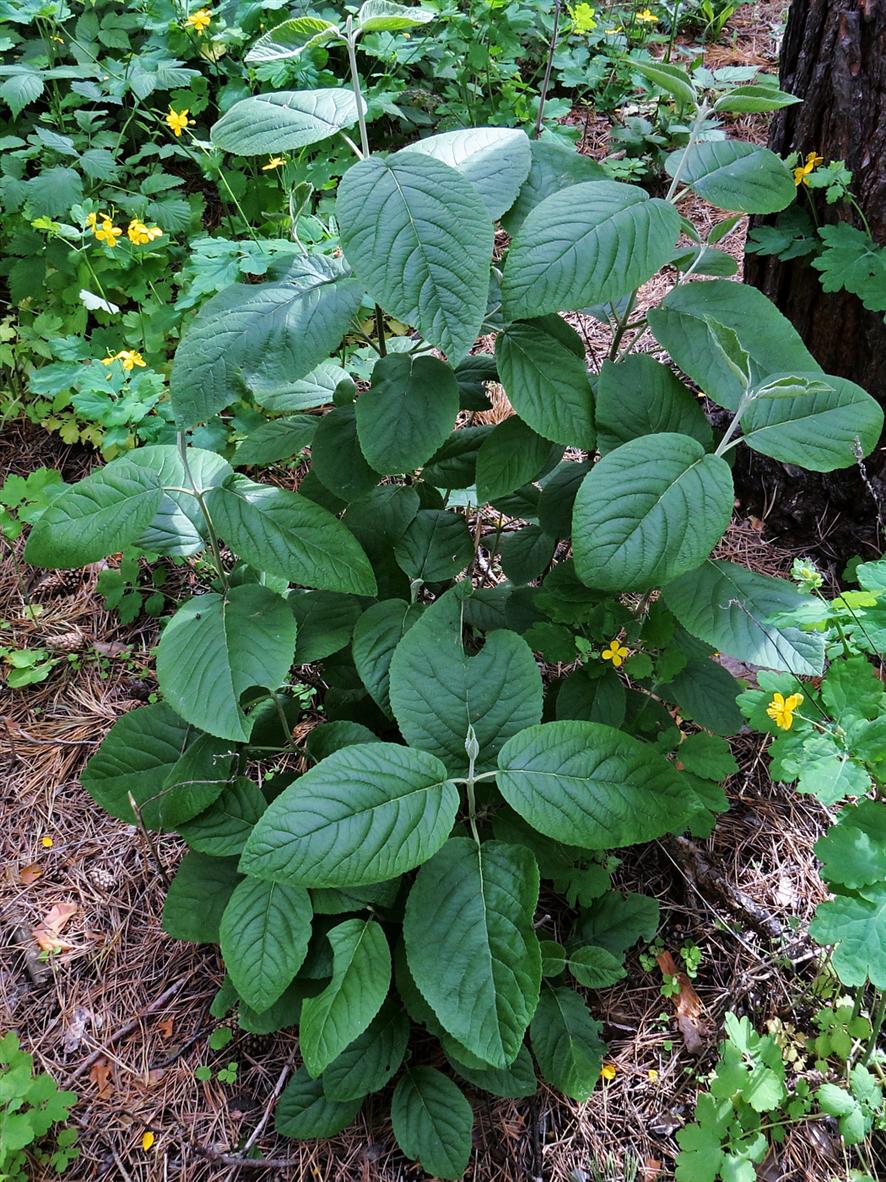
x=834, y=58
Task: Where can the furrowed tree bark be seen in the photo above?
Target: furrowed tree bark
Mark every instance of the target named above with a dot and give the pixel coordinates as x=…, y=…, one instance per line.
x=834, y=58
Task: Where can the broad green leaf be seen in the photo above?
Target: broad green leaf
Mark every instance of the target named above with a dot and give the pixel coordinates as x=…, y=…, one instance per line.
x=432, y=1122
x=96, y=516
x=736, y=610
x=291, y=39
x=555, y=166
x=198, y=896
x=419, y=237
x=435, y=546
x=325, y=622
x=263, y=337
x=818, y=430
x=511, y=456
x=590, y=785
x=543, y=370
x=559, y=490
x=772, y=342
x=407, y=413
x=337, y=458
x=264, y=936
x=706, y=693
x=386, y=16
x=526, y=552
x=222, y=829
x=673, y=80
x=589, y=244
x=361, y=977
x=853, y=852
x=734, y=175
x=856, y=926
x=587, y=698
x=316, y=388
x=216, y=647
x=438, y=690
x=595, y=967
x=280, y=122
x=364, y=814
x=494, y=159
x=285, y=534
x=649, y=511
x=376, y=636
x=471, y=946
x=516, y=1081
x=370, y=1061
x=173, y=772
x=616, y=921
x=754, y=99
x=566, y=1042
x=177, y=528
x=280, y=439
x=640, y=396
x=304, y=1113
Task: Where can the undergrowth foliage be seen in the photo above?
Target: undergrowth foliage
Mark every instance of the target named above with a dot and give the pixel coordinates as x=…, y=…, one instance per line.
x=385, y=901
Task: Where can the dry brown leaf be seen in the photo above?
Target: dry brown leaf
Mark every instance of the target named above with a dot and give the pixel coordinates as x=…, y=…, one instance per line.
x=651, y=1169
x=29, y=874
x=48, y=931
x=102, y=1074
x=165, y=1027
x=688, y=1005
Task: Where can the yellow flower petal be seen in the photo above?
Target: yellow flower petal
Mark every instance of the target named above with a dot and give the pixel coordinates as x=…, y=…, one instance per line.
x=608, y=1071
x=47, y=843
x=148, y=1140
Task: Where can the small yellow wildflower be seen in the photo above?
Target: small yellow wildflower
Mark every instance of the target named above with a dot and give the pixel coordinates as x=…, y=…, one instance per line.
x=652, y=1075
x=608, y=1071
x=109, y=233
x=200, y=20
x=92, y=220
x=647, y=17
x=273, y=162
x=583, y=19
x=148, y=1140
x=801, y=173
x=140, y=234
x=781, y=710
x=128, y=358
x=178, y=121
x=616, y=653
x=47, y=843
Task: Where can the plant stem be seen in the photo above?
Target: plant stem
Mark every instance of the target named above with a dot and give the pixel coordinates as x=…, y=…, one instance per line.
x=877, y=1023
x=546, y=82
x=281, y=714
x=743, y=405
x=621, y=326
x=697, y=122
x=472, y=749
x=201, y=501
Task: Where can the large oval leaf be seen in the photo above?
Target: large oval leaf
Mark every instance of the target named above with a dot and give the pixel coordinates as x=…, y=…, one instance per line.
x=495, y=159
x=386, y=16
x=438, y=690
x=555, y=166
x=222, y=829
x=197, y=897
x=178, y=528
x=361, y=977
x=649, y=511
x=264, y=936
x=268, y=123
x=432, y=1121
x=96, y=516
x=304, y=1113
x=735, y=175
x=285, y=534
x=736, y=610
x=543, y=370
x=419, y=237
x=291, y=39
x=587, y=245
x=365, y=814
x=567, y=1043
x=216, y=647
x=640, y=396
x=367, y=1063
x=407, y=413
x=590, y=785
x=471, y=946
x=376, y=636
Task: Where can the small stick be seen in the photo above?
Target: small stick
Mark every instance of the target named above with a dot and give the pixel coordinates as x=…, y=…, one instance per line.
x=269, y=1107
x=542, y=98
x=146, y=838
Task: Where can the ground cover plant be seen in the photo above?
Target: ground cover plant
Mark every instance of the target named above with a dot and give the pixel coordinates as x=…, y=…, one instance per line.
x=386, y=900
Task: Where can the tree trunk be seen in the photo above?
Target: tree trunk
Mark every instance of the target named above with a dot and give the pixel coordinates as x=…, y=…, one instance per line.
x=834, y=58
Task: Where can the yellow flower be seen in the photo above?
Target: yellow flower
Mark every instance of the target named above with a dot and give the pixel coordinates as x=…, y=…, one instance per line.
x=148, y=1140
x=140, y=234
x=109, y=233
x=608, y=1071
x=178, y=121
x=200, y=20
x=583, y=18
x=128, y=358
x=652, y=1075
x=801, y=173
x=47, y=843
x=781, y=710
x=647, y=17
x=273, y=162
x=616, y=653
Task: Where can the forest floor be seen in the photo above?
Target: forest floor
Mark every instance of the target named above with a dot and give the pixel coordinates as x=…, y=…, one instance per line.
x=121, y=1014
